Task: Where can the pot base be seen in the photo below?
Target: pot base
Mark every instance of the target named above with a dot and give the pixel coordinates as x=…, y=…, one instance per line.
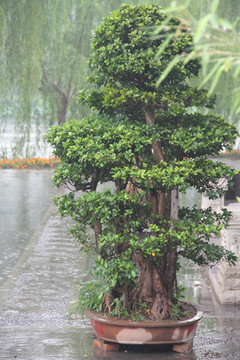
x=104, y=345
x=110, y=333
x=184, y=348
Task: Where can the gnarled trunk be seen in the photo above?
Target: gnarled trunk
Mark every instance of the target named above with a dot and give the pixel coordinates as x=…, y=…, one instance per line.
x=160, y=304
x=162, y=278
x=154, y=286
x=63, y=109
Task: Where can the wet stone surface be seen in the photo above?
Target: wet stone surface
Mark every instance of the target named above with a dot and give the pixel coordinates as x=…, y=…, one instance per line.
x=40, y=295
x=36, y=298
x=39, y=289
x=25, y=198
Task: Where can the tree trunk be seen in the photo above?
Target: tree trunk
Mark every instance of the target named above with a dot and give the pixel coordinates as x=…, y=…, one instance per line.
x=160, y=304
x=63, y=110
x=169, y=278
x=157, y=149
x=144, y=288
x=159, y=156
x=64, y=98
x=174, y=205
x=97, y=230
x=163, y=277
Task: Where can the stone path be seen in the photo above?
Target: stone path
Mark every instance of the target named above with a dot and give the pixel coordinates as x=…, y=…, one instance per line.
x=41, y=288
x=35, y=299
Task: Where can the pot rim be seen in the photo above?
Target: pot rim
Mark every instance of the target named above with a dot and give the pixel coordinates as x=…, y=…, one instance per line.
x=150, y=323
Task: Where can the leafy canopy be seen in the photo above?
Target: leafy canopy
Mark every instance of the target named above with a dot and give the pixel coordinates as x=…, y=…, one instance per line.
x=149, y=142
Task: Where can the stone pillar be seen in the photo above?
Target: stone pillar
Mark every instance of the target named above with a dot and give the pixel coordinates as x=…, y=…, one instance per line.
x=225, y=279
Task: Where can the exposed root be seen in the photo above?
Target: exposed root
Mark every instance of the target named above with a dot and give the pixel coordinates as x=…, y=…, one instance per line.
x=159, y=308
x=107, y=302
x=160, y=305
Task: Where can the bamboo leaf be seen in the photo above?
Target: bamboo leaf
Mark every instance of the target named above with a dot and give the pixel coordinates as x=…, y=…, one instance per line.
x=237, y=70
x=211, y=73
x=201, y=28
x=164, y=44
x=213, y=19
x=214, y=6
x=174, y=7
x=161, y=27
x=189, y=57
x=205, y=59
x=216, y=79
x=165, y=73
x=236, y=104
x=225, y=24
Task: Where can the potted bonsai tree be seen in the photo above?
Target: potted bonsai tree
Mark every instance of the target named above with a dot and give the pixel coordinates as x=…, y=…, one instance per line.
x=147, y=144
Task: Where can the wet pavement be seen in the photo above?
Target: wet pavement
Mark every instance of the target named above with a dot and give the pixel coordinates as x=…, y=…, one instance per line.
x=39, y=288
x=24, y=200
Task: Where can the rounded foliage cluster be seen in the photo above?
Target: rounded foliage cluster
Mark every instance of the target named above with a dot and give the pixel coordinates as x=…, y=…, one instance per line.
x=124, y=48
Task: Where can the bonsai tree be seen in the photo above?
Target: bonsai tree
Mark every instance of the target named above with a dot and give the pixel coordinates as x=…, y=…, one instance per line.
x=147, y=144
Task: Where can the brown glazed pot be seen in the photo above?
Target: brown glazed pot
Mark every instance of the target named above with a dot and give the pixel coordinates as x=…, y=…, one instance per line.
x=144, y=332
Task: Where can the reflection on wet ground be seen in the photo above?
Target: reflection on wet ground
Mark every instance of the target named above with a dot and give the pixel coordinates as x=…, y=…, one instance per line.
x=38, y=289
x=25, y=198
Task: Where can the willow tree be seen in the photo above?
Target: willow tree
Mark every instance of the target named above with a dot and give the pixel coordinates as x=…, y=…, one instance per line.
x=46, y=42
x=44, y=51
x=151, y=143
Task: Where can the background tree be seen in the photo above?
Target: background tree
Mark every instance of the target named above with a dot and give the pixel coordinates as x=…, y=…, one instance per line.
x=45, y=46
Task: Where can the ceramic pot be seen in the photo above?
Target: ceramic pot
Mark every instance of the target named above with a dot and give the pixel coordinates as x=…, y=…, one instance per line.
x=144, y=332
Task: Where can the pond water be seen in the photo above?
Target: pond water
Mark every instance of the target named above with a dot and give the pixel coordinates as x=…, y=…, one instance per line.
x=13, y=145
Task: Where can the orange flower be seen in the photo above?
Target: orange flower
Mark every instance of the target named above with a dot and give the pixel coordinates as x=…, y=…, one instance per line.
x=28, y=163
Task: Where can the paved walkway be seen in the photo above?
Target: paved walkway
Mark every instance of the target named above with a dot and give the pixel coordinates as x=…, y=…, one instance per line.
x=40, y=290
x=37, y=295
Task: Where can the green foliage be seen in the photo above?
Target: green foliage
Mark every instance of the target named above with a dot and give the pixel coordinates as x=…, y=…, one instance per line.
x=119, y=310
x=117, y=50
x=216, y=36
x=43, y=60
x=196, y=227
x=90, y=296
x=148, y=143
x=175, y=312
